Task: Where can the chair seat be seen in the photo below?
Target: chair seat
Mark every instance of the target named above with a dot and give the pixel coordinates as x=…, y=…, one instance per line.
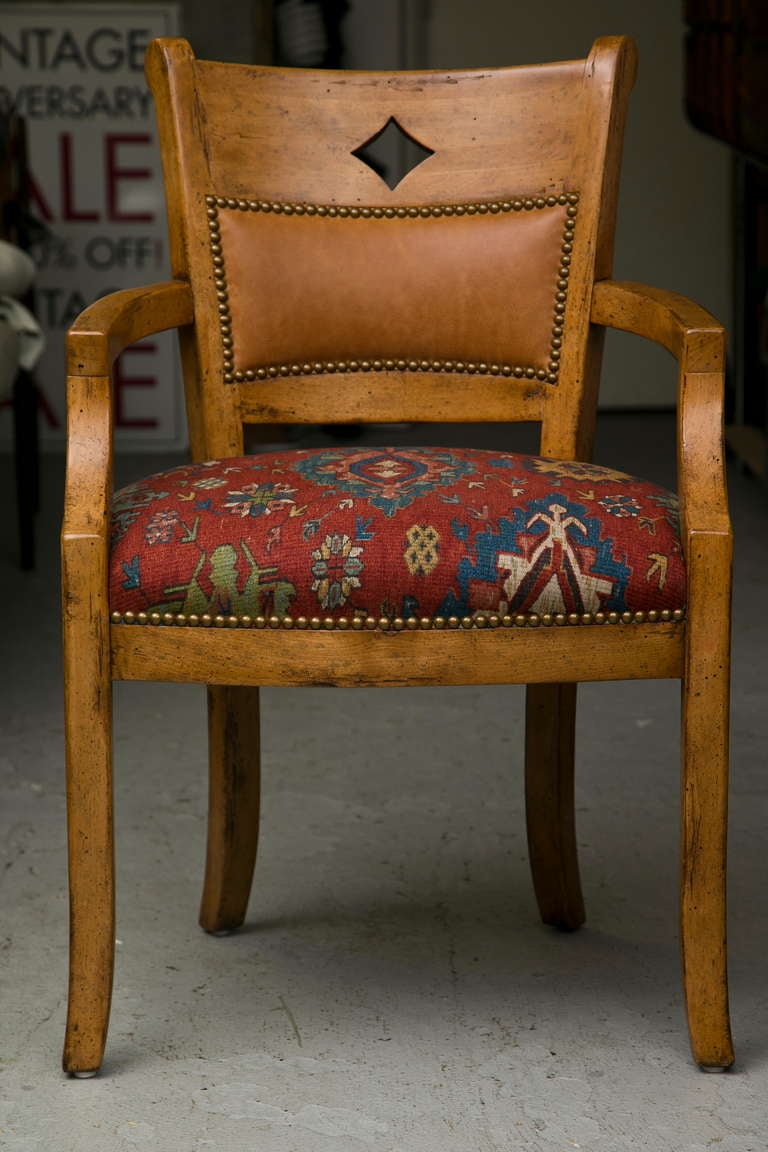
x=385, y=533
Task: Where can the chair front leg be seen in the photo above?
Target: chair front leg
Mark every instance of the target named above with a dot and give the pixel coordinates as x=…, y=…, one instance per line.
x=550, y=721
x=705, y=716
x=88, y=730
x=233, y=806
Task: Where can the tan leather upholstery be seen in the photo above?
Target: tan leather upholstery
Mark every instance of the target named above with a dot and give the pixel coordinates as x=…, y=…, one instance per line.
x=479, y=287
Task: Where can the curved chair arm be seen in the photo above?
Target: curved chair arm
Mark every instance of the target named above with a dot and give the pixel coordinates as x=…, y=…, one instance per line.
x=96, y=338
x=697, y=341
x=109, y=325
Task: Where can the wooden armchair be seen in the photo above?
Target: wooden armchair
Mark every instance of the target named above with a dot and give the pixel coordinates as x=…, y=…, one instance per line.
x=308, y=290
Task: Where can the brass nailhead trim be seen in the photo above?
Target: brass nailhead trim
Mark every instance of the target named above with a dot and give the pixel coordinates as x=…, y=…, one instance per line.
x=398, y=623
x=385, y=364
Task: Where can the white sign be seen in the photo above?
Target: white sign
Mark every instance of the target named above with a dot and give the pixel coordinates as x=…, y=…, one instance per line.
x=75, y=74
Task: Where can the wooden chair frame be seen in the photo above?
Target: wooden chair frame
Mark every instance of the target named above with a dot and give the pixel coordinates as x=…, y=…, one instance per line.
x=551, y=659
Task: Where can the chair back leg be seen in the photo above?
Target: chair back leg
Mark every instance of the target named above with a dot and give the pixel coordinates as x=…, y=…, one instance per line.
x=233, y=806
x=550, y=721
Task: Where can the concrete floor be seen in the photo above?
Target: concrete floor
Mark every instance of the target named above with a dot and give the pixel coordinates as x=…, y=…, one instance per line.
x=393, y=988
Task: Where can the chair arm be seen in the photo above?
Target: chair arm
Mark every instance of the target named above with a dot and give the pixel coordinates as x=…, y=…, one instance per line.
x=99, y=334
x=109, y=325
x=688, y=331
x=697, y=341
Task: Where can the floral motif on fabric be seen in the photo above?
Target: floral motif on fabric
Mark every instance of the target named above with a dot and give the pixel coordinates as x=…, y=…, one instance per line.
x=161, y=527
x=336, y=566
x=257, y=499
x=394, y=532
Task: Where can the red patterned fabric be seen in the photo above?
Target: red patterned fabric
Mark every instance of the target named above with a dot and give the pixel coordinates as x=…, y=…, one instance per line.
x=394, y=532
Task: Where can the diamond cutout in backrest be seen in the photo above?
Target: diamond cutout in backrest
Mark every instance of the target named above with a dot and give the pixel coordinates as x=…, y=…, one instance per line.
x=392, y=153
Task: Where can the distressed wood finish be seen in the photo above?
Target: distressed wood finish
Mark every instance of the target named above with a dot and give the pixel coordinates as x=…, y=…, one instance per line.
x=347, y=399
x=108, y=326
x=88, y=721
x=236, y=131
x=349, y=659
x=490, y=129
x=705, y=719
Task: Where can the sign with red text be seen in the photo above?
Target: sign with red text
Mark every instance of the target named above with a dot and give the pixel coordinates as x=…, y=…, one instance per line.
x=75, y=73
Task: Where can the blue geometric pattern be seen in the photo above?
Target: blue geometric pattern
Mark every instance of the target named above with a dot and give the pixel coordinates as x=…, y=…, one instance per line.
x=390, y=480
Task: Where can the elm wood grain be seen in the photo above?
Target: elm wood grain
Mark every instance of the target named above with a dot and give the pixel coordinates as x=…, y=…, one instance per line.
x=231, y=131
x=491, y=130
x=503, y=656
x=349, y=397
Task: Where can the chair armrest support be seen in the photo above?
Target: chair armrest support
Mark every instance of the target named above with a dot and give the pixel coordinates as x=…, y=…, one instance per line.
x=109, y=325
x=97, y=337
x=697, y=341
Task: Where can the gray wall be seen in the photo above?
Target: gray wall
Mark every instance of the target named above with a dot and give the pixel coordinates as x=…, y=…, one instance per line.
x=228, y=30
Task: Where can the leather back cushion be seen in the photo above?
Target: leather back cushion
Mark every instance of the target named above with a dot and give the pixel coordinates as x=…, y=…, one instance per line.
x=313, y=285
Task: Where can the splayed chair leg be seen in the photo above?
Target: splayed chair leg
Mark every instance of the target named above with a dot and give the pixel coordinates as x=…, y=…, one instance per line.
x=233, y=806
x=550, y=721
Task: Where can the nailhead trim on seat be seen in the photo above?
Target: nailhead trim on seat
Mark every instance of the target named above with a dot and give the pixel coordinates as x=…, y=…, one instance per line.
x=386, y=364
x=398, y=624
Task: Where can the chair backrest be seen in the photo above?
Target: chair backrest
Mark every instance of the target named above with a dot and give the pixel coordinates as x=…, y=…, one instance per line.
x=323, y=295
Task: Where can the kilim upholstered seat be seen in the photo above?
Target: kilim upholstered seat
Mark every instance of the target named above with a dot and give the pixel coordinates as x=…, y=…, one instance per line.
x=308, y=290
x=392, y=538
